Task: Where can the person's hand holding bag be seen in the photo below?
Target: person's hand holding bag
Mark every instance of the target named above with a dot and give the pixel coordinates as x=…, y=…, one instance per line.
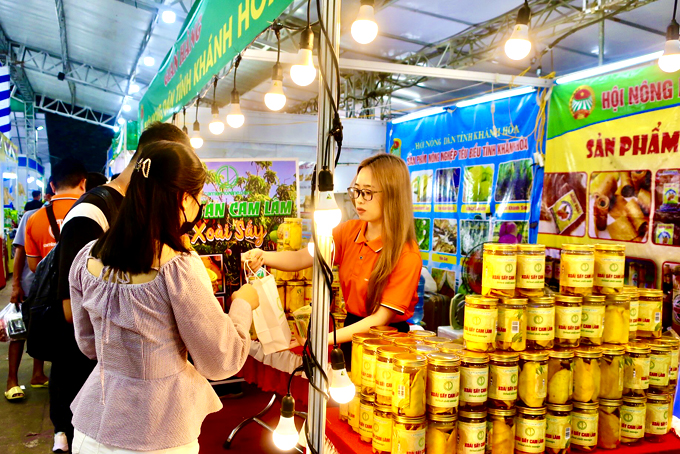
x=253, y=259
x=247, y=293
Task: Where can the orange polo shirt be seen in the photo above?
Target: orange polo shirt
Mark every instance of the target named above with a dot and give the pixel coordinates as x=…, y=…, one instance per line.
x=39, y=238
x=356, y=257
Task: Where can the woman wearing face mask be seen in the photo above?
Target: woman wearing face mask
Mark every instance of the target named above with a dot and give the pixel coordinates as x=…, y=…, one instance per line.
x=377, y=255
x=141, y=303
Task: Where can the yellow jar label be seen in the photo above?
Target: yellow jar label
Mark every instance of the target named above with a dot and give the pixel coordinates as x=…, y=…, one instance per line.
x=357, y=363
x=674, y=365
x=443, y=389
x=471, y=437
x=657, y=419
x=353, y=412
x=500, y=271
x=659, y=368
x=576, y=270
x=344, y=411
x=368, y=371
x=540, y=323
x=474, y=384
x=530, y=435
x=636, y=372
x=382, y=434
x=649, y=316
x=634, y=315
x=609, y=270
x=511, y=325
x=584, y=429
x=401, y=390
x=366, y=421
x=383, y=379
x=480, y=324
x=632, y=421
x=592, y=321
x=409, y=441
x=567, y=322
x=557, y=432
x=530, y=271
x=503, y=382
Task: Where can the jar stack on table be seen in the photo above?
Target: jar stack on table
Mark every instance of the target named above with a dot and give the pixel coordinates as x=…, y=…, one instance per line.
x=537, y=372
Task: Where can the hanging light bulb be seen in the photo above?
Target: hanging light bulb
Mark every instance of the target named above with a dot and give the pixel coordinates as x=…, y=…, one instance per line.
x=184, y=117
x=196, y=139
x=275, y=99
x=303, y=72
x=669, y=62
x=286, y=434
x=216, y=126
x=518, y=46
x=327, y=215
x=310, y=248
x=342, y=389
x=365, y=28
x=235, y=118
x=302, y=439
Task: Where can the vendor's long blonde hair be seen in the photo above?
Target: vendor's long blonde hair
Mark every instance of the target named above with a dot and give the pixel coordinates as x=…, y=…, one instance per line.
x=391, y=175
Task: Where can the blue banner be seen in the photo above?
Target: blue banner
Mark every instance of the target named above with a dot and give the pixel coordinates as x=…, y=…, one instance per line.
x=474, y=179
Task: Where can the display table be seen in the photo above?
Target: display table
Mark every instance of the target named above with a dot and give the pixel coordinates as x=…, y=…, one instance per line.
x=347, y=441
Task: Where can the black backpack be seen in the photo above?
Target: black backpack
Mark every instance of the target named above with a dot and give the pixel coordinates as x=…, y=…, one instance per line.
x=43, y=311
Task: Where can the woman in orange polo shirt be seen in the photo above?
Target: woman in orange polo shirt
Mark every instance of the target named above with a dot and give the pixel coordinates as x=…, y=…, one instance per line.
x=377, y=255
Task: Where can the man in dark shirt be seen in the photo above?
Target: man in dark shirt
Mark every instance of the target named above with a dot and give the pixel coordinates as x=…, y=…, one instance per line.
x=89, y=218
x=34, y=204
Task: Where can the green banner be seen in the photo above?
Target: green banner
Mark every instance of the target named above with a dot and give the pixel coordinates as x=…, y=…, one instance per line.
x=213, y=34
x=132, y=135
x=585, y=102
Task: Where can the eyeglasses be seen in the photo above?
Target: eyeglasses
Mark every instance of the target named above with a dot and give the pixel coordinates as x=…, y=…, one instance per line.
x=204, y=200
x=367, y=194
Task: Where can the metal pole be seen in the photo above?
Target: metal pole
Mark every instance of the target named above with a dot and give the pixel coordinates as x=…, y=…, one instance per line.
x=600, y=55
x=330, y=15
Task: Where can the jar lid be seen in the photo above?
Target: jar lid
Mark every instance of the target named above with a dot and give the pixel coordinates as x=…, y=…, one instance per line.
x=672, y=341
x=610, y=247
x=500, y=247
x=586, y=405
x=423, y=349
x=450, y=419
x=436, y=341
x=589, y=352
x=568, y=298
x=650, y=293
x=659, y=347
x=391, y=336
x=408, y=420
x=475, y=357
x=361, y=337
x=530, y=248
x=421, y=333
x=295, y=283
x=594, y=299
x=391, y=351
x=638, y=347
x=292, y=219
x=610, y=402
x=410, y=360
x=384, y=408
x=502, y=411
x=633, y=291
x=443, y=359
x=479, y=299
x=407, y=341
x=370, y=398
x=562, y=354
x=657, y=397
x=382, y=330
x=534, y=355
x=504, y=357
x=634, y=400
x=514, y=301
x=372, y=344
x=451, y=347
x=532, y=411
x=473, y=414
x=618, y=298
x=542, y=300
x=613, y=349
x=578, y=247
x=560, y=407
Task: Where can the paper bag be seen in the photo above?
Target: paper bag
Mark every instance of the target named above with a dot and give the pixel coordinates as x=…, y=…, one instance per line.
x=269, y=318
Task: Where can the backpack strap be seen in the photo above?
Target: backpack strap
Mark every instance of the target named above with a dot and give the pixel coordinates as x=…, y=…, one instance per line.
x=53, y=221
x=102, y=193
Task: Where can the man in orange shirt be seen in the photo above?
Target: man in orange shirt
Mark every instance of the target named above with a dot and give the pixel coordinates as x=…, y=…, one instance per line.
x=68, y=183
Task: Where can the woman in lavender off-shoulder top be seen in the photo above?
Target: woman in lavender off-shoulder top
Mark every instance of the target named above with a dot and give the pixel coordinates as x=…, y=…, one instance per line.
x=141, y=303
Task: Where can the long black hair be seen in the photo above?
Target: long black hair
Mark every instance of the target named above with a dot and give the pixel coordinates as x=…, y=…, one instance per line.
x=149, y=216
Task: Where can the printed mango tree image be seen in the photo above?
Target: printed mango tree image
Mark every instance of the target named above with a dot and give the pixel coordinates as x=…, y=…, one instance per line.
x=478, y=183
x=249, y=199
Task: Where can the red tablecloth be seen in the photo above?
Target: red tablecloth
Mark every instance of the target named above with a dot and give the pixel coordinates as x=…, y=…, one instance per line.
x=346, y=441
x=273, y=380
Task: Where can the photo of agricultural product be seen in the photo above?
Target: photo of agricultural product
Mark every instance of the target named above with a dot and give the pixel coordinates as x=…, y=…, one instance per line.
x=423, y=233
x=619, y=204
x=446, y=183
x=671, y=288
x=478, y=183
x=515, y=181
x=421, y=186
x=640, y=273
x=214, y=266
x=666, y=230
x=472, y=234
x=564, y=203
x=445, y=236
x=510, y=232
x=445, y=280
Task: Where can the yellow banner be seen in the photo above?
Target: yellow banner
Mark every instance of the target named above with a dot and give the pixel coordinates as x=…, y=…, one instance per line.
x=444, y=258
x=476, y=208
x=445, y=208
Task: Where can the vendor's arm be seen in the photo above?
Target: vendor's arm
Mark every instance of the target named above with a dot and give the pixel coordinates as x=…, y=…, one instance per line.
x=284, y=261
x=383, y=316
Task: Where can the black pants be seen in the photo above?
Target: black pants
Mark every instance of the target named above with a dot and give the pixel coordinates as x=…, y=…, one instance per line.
x=347, y=346
x=67, y=376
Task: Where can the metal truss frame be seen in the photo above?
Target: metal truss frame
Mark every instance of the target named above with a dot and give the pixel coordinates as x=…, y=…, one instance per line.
x=86, y=114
